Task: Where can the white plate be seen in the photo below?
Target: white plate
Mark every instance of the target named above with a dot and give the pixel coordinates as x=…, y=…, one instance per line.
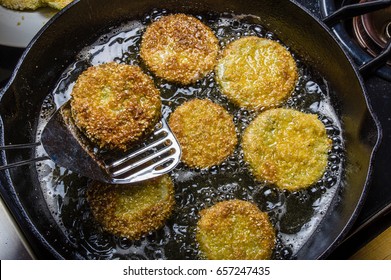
x=18, y=28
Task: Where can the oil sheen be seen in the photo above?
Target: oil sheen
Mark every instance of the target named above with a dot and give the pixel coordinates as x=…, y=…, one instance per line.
x=295, y=216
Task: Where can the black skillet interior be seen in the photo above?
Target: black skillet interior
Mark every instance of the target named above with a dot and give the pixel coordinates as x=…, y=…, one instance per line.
x=77, y=26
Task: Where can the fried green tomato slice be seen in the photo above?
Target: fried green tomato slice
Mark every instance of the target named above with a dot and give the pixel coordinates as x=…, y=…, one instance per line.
x=205, y=131
x=115, y=105
x=287, y=148
x=132, y=211
x=256, y=73
x=21, y=4
x=179, y=48
x=235, y=230
x=34, y=4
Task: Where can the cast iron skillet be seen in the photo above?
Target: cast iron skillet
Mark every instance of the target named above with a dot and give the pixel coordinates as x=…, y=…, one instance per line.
x=79, y=24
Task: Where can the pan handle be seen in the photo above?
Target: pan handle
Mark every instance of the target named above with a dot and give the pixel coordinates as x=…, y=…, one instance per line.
x=23, y=162
x=358, y=9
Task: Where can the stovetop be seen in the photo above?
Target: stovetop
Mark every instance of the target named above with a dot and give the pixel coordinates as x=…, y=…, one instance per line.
x=375, y=215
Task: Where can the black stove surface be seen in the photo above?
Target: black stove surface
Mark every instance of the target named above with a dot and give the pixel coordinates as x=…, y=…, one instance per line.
x=375, y=215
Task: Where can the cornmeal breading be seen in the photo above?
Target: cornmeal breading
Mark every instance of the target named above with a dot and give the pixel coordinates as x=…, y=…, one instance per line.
x=235, y=230
x=179, y=48
x=115, y=105
x=205, y=131
x=34, y=4
x=287, y=148
x=57, y=4
x=132, y=211
x=256, y=73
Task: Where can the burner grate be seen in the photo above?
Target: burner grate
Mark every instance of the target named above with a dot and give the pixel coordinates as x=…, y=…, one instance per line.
x=363, y=27
x=373, y=30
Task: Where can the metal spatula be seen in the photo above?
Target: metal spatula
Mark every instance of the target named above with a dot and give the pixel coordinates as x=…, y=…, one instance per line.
x=67, y=147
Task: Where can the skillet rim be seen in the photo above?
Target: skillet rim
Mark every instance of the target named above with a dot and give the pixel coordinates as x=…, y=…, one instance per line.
x=339, y=239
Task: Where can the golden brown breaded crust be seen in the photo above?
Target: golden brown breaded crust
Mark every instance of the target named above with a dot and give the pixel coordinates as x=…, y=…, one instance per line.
x=34, y=4
x=57, y=4
x=115, y=104
x=22, y=4
x=205, y=131
x=256, y=73
x=287, y=148
x=132, y=211
x=235, y=230
x=179, y=48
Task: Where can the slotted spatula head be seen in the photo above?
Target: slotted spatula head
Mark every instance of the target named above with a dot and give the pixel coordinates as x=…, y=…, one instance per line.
x=68, y=147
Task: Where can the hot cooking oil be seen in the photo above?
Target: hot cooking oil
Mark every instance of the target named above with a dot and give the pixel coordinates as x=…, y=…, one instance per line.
x=295, y=216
